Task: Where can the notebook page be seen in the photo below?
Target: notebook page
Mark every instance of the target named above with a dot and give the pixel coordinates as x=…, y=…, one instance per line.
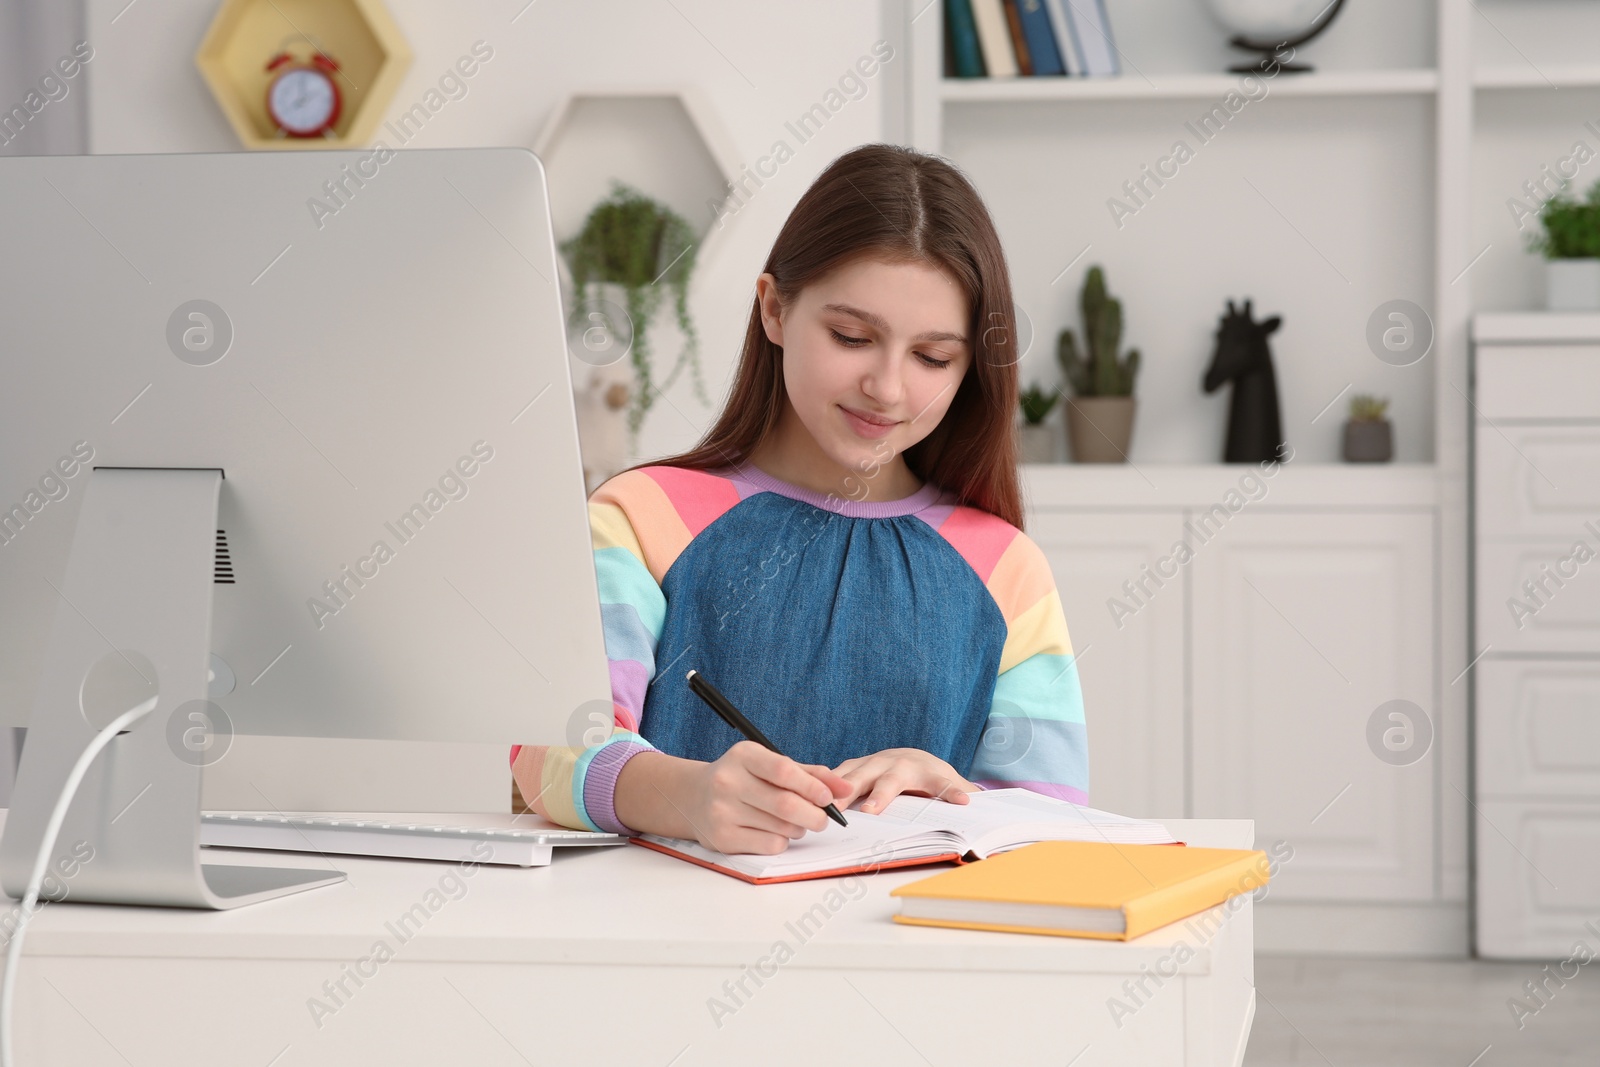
x=999, y=819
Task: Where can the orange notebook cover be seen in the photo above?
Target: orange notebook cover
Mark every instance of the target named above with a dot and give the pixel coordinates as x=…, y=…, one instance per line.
x=1082, y=889
x=868, y=868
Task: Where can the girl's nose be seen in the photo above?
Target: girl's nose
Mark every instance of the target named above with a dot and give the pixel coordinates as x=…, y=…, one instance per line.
x=884, y=381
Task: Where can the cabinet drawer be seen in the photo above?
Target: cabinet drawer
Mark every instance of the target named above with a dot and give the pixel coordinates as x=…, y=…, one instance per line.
x=1538, y=728
x=1538, y=381
x=1537, y=482
x=1552, y=617
x=1538, y=879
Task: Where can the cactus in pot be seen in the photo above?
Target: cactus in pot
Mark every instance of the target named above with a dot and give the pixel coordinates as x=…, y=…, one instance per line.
x=1100, y=415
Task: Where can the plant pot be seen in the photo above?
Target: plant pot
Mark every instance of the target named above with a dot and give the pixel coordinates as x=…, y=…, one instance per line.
x=1100, y=428
x=1038, y=443
x=1368, y=441
x=1572, y=284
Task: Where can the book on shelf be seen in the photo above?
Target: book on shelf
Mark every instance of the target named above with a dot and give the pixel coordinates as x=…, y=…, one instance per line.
x=994, y=37
x=1033, y=21
x=1061, y=26
x=1019, y=42
x=1083, y=889
x=1092, y=30
x=911, y=831
x=1028, y=38
x=965, y=54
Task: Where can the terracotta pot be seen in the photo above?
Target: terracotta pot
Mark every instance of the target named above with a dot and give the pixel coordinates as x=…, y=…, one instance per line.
x=1100, y=428
x=1368, y=441
x=1038, y=443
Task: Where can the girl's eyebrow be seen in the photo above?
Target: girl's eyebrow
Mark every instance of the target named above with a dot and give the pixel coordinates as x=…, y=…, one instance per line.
x=882, y=324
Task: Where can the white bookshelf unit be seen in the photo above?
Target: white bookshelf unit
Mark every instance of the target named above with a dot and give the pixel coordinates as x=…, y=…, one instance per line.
x=1384, y=174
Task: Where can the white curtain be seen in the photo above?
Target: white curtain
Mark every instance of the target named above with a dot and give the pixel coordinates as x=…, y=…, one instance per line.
x=34, y=34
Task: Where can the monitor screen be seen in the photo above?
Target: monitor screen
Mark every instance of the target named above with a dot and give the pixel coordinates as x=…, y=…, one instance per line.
x=373, y=353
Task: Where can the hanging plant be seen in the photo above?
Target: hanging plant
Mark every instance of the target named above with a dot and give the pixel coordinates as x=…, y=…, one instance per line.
x=645, y=247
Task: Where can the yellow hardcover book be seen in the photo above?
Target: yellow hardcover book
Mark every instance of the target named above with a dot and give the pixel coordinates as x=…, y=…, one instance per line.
x=1082, y=888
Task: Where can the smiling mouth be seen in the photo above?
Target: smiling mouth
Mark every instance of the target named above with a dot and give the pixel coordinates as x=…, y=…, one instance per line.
x=875, y=420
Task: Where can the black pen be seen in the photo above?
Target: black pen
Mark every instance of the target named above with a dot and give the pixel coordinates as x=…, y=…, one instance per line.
x=735, y=718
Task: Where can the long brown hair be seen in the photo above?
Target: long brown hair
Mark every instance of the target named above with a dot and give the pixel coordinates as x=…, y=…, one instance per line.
x=898, y=204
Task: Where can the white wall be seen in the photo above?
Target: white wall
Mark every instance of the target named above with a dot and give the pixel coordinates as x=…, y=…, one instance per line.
x=147, y=96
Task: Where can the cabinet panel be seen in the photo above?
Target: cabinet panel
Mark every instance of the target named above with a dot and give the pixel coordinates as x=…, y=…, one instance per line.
x=1304, y=624
x=1132, y=667
x=1537, y=597
x=1538, y=728
x=1538, y=381
x=1538, y=876
x=1537, y=482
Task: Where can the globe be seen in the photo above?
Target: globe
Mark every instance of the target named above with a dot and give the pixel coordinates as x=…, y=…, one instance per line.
x=1263, y=25
x=1267, y=20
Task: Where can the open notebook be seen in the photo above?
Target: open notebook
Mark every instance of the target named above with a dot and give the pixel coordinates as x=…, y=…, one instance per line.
x=919, y=830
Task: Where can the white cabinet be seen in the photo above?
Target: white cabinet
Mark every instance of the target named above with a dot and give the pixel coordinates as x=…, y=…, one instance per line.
x=1238, y=678
x=1132, y=665
x=1536, y=614
x=1305, y=624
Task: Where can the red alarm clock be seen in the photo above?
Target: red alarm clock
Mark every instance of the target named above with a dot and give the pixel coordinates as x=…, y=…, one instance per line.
x=303, y=98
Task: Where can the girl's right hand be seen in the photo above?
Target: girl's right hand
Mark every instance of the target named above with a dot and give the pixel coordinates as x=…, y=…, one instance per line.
x=754, y=800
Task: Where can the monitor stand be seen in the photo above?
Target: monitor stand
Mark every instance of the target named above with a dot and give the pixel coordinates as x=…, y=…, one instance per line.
x=133, y=619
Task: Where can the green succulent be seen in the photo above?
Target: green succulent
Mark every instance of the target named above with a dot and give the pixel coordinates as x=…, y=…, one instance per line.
x=1036, y=403
x=1364, y=408
x=1102, y=373
x=1571, y=227
x=644, y=246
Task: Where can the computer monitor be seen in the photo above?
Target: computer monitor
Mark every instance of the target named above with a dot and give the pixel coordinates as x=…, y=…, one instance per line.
x=287, y=438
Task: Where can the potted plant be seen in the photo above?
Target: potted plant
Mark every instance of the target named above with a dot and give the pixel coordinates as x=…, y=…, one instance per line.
x=1570, y=244
x=1100, y=414
x=630, y=250
x=1036, y=442
x=1368, y=436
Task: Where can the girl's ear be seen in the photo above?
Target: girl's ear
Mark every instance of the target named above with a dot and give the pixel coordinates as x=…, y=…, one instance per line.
x=771, y=309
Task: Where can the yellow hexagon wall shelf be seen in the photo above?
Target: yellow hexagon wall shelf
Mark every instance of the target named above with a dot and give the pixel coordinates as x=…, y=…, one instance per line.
x=359, y=35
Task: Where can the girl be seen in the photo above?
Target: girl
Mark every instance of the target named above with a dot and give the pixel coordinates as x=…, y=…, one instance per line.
x=841, y=553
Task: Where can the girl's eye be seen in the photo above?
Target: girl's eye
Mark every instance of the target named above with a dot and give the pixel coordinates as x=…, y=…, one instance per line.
x=857, y=342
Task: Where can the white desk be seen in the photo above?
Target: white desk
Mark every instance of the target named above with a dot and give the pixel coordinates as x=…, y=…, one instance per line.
x=612, y=957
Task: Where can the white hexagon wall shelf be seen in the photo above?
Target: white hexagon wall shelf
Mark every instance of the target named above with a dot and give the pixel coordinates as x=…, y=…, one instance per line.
x=667, y=142
x=359, y=35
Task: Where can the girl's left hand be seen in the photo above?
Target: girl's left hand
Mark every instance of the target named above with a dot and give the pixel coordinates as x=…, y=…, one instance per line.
x=884, y=775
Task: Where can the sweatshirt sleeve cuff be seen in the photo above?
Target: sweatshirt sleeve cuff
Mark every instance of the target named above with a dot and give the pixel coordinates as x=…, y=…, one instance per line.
x=600, y=783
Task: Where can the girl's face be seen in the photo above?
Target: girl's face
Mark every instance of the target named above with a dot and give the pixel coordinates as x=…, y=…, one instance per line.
x=873, y=353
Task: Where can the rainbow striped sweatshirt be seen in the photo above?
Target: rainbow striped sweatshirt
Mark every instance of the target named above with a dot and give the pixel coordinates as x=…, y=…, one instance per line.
x=840, y=628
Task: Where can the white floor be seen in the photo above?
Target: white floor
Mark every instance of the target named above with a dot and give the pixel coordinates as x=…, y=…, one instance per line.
x=1419, y=1013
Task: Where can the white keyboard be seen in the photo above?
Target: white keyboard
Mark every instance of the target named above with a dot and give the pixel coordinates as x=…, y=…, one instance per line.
x=516, y=840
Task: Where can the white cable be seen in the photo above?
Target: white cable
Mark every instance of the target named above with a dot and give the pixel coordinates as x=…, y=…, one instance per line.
x=52, y=829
